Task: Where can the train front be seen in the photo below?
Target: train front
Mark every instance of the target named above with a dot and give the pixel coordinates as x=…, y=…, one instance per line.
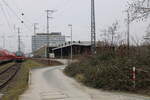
x=20, y=56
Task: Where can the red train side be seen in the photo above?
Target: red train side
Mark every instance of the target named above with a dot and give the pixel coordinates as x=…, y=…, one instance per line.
x=6, y=56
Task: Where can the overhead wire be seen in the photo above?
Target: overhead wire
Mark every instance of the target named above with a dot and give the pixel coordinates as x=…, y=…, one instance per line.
x=16, y=15
x=10, y=18
x=12, y=10
x=63, y=8
x=5, y=15
x=24, y=17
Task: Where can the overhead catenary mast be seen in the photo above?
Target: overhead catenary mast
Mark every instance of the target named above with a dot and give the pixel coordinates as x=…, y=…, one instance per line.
x=93, y=33
x=19, y=41
x=48, y=19
x=128, y=30
x=3, y=41
x=35, y=28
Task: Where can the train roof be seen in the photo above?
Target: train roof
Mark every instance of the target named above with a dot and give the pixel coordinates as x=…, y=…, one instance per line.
x=5, y=52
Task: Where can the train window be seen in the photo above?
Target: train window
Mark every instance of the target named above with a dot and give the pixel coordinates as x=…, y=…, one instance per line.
x=19, y=54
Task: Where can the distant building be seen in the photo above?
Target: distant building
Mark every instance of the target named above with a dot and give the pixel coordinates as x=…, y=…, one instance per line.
x=39, y=40
x=78, y=48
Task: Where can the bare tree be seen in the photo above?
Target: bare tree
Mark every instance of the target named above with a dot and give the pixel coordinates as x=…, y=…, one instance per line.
x=105, y=36
x=112, y=30
x=111, y=34
x=139, y=9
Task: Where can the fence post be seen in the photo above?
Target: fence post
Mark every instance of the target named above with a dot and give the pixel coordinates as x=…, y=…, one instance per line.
x=134, y=77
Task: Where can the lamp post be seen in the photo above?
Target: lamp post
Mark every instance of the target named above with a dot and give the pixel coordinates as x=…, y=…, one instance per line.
x=70, y=25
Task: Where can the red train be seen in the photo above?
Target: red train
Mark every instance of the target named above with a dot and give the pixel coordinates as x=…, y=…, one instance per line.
x=6, y=56
x=19, y=56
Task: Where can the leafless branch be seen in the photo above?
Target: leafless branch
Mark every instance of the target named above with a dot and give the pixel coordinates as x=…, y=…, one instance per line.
x=139, y=9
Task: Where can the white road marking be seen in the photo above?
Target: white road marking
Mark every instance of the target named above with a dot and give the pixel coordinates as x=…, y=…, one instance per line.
x=52, y=95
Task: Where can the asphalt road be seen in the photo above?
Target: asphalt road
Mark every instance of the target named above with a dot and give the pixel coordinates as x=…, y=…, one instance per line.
x=51, y=84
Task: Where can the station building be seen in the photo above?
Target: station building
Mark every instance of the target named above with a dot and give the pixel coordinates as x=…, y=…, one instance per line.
x=78, y=48
x=41, y=39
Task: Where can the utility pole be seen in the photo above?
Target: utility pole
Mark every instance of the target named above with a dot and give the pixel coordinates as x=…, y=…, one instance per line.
x=3, y=41
x=112, y=34
x=128, y=30
x=71, y=53
x=61, y=53
x=19, y=47
x=3, y=38
x=35, y=28
x=48, y=19
x=93, y=33
x=35, y=31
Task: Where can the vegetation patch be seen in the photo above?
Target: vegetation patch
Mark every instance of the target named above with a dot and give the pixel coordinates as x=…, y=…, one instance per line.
x=18, y=85
x=112, y=71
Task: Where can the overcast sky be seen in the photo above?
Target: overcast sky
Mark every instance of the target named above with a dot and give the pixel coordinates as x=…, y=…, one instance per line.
x=75, y=12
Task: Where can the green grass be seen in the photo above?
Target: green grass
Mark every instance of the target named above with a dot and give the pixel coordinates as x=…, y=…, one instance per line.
x=33, y=64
